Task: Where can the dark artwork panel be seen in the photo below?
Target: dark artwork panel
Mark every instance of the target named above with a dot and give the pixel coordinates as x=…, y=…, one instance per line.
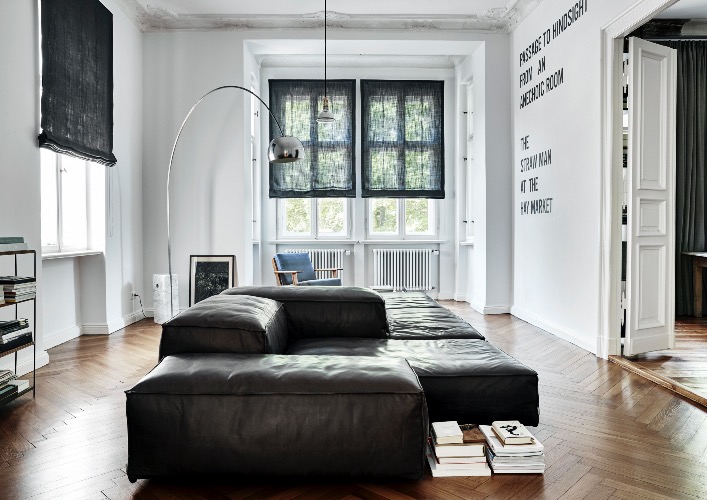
x=211, y=278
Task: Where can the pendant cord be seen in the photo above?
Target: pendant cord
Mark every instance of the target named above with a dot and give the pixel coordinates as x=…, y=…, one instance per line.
x=325, y=49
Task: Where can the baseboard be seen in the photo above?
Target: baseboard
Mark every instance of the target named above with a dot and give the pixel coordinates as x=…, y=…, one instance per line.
x=55, y=338
x=94, y=329
x=460, y=297
x=445, y=296
x=111, y=326
x=150, y=312
x=571, y=337
x=25, y=363
x=483, y=309
x=497, y=309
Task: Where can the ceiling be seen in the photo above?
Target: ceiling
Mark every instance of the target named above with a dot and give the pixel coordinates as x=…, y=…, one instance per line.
x=686, y=9
x=484, y=15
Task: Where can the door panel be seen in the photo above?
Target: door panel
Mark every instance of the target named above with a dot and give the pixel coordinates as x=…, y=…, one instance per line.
x=650, y=279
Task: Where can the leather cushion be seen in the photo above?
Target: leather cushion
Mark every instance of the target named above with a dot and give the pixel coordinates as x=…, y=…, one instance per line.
x=227, y=324
x=467, y=380
x=325, y=311
x=428, y=323
x=224, y=414
x=404, y=300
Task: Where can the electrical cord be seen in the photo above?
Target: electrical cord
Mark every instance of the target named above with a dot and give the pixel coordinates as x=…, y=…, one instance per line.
x=142, y=309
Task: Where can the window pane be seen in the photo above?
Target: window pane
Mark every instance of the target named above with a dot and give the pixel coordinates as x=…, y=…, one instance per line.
x=298, y=117
x=74, y=222
x=419, y=216
x=417, y=169
x=384, y=168
x=50, y=215
x=384, y=216
x=298, y=216
x=331, y=216
x=383, y=119
x=419, y=119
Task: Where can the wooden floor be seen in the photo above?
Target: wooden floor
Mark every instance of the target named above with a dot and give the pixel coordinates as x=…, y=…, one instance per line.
x=608, y=433
x=685, y=367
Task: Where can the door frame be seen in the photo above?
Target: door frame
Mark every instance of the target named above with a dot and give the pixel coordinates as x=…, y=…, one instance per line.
x=609, y=335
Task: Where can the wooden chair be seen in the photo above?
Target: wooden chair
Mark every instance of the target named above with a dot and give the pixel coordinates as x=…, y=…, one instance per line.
x=297, y=269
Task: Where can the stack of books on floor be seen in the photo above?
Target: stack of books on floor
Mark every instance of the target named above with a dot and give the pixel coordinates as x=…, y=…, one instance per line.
x=512, y=449
x=18, y=288
x=10, y=386
x=12, y=244
x=14, y=333
x=457, y=451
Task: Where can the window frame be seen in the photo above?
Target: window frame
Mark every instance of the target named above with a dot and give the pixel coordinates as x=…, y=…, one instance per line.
x=401, y=233
x=60, y=247
x=313, y=233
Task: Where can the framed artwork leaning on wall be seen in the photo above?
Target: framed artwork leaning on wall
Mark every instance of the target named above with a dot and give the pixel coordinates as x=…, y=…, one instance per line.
x=210, y=275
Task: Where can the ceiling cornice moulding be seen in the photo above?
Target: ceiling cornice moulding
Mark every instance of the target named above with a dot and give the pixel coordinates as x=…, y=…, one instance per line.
x=156, y=18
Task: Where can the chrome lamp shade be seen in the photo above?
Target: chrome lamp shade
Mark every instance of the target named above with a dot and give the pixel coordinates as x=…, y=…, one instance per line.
x=285, y=149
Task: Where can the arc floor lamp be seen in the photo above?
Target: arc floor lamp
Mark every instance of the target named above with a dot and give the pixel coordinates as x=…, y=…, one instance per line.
x=283, y=149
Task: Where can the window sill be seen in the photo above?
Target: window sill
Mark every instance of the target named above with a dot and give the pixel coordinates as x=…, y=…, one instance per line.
x=311, y=241
x=67, y=255
x=468, y=243
x=402, y=242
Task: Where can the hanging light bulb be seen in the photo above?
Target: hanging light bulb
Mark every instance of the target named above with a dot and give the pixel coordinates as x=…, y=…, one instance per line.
x=325, y=115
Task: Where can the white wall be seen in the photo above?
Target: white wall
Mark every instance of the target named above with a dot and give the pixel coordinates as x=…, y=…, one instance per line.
x=557, y=255
x=210, y=212
x=58, y=304
x=19, y=169
x=489, y=260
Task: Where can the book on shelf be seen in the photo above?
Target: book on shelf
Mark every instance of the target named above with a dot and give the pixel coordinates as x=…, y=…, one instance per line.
x=12, y=280
x=13, y=247
x=13, y=325
x=21, y=385
x=512, y=432
x=447, y=433
x=7, y=389
x=18, y=342
x=20, y=298
x=6, y=376
x=11, y=239
x=451, y=470
x=9, y=337
x=501, y=449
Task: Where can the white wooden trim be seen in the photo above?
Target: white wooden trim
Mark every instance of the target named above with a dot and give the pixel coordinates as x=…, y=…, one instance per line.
x=59, y=337
x=608, y=340
x=572, y=337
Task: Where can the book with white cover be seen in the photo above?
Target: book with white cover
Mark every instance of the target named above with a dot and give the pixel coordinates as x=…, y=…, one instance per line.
x=460, y=450
x=512, y=432
x=447, y=432
x=21, y=384
x=439, y=470
x=510, y=450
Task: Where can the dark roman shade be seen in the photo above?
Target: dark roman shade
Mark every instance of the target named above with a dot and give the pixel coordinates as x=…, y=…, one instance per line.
x=328, y=169
x=77, y=79
x=402, y=138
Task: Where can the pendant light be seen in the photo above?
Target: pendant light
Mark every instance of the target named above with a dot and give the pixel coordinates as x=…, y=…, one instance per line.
x=325, y=116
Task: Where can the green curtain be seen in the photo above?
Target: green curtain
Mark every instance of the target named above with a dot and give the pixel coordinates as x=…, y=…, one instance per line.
x=691, y=165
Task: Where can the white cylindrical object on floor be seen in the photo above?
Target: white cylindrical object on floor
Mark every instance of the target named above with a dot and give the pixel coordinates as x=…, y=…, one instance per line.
x=160, y=297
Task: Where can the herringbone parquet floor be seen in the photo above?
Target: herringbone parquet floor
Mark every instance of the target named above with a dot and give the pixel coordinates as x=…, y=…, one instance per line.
x=608, y=433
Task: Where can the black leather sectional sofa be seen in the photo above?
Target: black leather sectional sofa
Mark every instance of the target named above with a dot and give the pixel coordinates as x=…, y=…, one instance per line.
x=308, y=364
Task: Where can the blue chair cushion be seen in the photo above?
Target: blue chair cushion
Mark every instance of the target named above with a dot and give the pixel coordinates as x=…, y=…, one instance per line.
x=295, y=262
x=322, y=282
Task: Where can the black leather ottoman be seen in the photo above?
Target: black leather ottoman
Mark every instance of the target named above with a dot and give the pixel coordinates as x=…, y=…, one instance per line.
x=227, y=323
x=466, y=380
x=226, y=414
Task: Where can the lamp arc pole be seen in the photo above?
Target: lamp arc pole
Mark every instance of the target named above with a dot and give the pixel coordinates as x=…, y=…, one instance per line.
x=283, y=149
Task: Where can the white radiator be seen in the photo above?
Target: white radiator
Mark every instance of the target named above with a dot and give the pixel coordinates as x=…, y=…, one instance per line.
x=323, y=258
x=403, y=269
